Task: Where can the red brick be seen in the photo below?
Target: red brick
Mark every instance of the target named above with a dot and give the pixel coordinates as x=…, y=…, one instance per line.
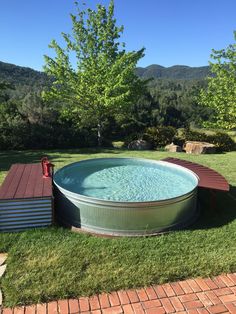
x=228, y=298
x=113, y=310
x=159, y=310
x=19, y=310
x=150, y=304
x=202, y=311
x=52, y=308
x=204, y=299
x=142, y=295
x=223, y=291
x=232, y=277
x=217, y=280
x=63, y=307
x=182, y=312
x=104, y=301
x=192, y=312
x=30, y=309
x=133, y=297
x=185, y=286
x=177, y=304
x=127, y=308
x=73, y=306
x=188, y=297
x=213, y=297
x=195, y=287
x=42, y=308
x=202, y=284
x=123, y=297
x=96, y=312
x=159, y=291
x=211, y=284
x=84, y=304
x=138, y=309
x=227, y=281
x=114, y=299
x=168, y=290
x=216, y=309
x=177, y=288
x=151, y=293
x=94, y=303
x=7, y=311
x=193, y=305
x=167, y=305
x=231, y=308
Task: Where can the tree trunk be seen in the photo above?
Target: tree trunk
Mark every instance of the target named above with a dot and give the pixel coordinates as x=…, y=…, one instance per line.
x=99, y=134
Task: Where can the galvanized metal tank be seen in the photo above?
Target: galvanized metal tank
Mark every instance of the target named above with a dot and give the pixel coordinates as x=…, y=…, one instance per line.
x=114, y=218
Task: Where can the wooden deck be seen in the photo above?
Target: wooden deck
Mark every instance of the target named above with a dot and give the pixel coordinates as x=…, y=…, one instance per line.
x=26, y=198
x=208, y=178
x=24, y=181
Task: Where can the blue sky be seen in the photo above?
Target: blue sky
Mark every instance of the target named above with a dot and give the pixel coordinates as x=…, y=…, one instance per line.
x=172, y=31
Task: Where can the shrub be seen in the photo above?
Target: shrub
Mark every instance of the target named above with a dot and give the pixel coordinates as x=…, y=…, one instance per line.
x=223, y=141
x=190, y=135
x=160, y=136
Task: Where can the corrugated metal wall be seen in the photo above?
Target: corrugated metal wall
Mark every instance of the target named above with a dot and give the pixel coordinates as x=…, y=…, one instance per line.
x=20, y=214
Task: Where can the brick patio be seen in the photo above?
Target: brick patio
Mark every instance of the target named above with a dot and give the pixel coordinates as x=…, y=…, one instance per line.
x=193, y=296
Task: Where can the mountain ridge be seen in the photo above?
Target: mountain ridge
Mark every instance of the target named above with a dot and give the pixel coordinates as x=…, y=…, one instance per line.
x=173, y=72
x=16, y=74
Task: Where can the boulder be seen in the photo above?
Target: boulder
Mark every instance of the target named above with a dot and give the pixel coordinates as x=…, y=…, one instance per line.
x=173, y=148
x=193, y=147
x=139, y=145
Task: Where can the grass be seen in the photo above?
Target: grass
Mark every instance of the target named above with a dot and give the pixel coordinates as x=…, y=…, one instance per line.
x=52, y=263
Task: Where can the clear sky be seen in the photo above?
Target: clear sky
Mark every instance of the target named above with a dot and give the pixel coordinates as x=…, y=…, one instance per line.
x=172, y=31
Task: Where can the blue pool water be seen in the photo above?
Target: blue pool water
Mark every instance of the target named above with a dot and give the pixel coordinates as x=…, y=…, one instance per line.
x=126, y=180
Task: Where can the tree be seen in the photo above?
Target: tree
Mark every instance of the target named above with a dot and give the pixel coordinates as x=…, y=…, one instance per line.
x=103, y=83
x=220, y=94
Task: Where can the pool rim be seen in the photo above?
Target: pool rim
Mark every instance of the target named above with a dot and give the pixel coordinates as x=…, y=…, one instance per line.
x=135, y=204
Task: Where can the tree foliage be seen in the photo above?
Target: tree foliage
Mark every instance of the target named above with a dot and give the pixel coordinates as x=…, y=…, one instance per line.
x=103, y=82
x=220, y=94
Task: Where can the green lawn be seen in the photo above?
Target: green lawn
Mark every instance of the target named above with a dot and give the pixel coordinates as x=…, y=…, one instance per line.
x=47, y=264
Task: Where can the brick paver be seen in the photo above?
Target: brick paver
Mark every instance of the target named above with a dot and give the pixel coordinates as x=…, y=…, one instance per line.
x=193, y=296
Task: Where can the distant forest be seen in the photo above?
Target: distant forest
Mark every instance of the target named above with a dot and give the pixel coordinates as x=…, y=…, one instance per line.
x=26, y=121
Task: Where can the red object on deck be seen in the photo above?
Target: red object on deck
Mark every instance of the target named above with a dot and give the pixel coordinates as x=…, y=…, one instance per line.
x=208, y=178
x=47, y=167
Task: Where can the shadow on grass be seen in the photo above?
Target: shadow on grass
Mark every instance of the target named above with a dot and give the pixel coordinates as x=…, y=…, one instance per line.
x=215, y=211
x=7, y=158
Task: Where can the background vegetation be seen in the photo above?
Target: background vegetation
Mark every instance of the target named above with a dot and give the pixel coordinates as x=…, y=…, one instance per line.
x=27, y=121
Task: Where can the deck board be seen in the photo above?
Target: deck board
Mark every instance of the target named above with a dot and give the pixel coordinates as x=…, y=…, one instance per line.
x=7, y=182
x=11, y=191
x=208, y=178
x=22, y=187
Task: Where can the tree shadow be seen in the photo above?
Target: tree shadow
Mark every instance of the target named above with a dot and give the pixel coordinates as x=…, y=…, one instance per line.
x=7, y=158
x=215, y=210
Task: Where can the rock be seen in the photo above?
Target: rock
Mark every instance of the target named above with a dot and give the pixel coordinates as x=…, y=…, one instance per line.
x=2, y=270
x=192, y=147
x=173, y=148
x=3, y=257
x=139, y=145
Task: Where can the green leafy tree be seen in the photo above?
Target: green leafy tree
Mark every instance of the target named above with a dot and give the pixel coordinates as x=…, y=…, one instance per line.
x=220, y=94
x=103, y=82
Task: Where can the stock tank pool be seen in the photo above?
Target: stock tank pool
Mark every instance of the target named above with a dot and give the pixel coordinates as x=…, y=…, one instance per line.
x=125, y=196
